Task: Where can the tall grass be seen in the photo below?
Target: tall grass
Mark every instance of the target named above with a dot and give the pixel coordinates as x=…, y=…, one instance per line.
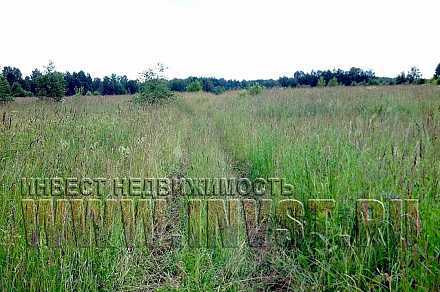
x=339, y=143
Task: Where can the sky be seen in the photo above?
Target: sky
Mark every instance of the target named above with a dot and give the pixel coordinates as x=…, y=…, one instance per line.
x=234, y=39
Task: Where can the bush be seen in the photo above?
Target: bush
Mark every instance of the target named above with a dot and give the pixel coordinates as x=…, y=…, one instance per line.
x=194, y=86
x=79, y=91
x=255, y=89
x=218, y=90
x=5, y=90
x=333, y=82
x=18, y=91
x=321, y=82
x=242, y=93
x=374, y=81
x=154, y=87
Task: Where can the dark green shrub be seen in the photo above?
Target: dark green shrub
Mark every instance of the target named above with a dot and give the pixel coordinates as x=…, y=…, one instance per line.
x=374, y=81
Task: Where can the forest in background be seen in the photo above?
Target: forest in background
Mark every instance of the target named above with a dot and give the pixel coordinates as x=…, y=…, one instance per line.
x=50, y=83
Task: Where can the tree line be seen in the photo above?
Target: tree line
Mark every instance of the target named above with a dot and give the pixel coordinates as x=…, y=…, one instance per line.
x=54, y=84
x=51, y=83
x=353, y=77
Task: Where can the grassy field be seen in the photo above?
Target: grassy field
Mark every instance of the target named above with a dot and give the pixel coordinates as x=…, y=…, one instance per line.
x=343, y=143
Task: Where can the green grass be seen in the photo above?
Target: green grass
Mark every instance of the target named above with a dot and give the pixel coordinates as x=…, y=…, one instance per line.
x=339, y=143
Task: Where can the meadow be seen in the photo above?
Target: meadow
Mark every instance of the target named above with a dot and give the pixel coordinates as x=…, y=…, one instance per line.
x=341, y=143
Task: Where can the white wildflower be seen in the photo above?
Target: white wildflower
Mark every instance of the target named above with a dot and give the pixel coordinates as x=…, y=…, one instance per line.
x=124, y=151
x=64, y=144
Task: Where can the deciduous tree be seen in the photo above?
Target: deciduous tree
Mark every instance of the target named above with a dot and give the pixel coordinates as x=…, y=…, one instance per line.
x=51, y=84
x=154, y=87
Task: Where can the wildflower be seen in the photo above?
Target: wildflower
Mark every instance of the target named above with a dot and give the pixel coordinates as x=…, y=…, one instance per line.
x=124, y=151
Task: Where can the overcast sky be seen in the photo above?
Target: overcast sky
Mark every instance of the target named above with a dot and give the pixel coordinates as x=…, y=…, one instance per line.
x=221, y=38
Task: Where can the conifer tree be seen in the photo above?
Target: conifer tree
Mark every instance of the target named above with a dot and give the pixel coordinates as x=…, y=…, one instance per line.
x=5, y=90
